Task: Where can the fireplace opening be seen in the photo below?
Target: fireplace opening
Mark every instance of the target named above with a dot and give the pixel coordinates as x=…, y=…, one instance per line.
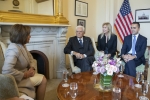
x=42, y=62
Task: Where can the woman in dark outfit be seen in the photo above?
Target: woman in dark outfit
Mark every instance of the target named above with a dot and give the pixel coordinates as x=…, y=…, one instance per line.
x=107, y=41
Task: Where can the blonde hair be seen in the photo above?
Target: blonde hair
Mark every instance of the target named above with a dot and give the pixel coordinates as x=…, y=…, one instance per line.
x=109, y=29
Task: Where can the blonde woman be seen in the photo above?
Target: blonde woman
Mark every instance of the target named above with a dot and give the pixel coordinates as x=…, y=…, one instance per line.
x=107, y=41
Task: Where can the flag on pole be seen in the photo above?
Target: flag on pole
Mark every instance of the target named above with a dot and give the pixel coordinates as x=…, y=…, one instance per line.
x=124, y=20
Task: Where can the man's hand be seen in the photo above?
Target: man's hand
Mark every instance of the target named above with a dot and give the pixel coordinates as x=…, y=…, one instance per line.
x=125, y=58
x=78, y=55
x=131, y=57
x=128, y=57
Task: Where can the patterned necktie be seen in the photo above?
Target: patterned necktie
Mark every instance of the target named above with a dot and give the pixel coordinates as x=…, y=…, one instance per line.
x=133, y=45
x=80, y=41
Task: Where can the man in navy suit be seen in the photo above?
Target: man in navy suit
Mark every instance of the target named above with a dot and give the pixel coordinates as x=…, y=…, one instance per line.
x=82, y=50
x=133, y=50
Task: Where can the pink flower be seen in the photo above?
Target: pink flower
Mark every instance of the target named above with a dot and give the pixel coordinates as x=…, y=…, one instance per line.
x=109, y=72
x=94, y=64
x=102, y=70
x=107, y=66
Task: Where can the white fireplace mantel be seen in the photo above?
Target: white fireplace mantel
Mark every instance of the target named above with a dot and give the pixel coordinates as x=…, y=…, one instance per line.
x=48, y=38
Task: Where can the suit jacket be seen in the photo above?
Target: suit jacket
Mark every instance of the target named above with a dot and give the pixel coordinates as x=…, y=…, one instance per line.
x=17, y=61
x=111, y=44
x=74, y=45
x=140, y=46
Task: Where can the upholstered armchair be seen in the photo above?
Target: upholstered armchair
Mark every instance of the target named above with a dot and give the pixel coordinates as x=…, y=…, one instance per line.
x=2, y=52
x=8, y=87
x=74, y=68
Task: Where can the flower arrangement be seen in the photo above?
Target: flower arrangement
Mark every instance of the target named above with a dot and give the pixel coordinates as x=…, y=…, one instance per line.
x=106, y=66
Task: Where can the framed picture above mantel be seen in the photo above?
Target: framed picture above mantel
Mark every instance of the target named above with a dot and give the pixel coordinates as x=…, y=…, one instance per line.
x=81, y=8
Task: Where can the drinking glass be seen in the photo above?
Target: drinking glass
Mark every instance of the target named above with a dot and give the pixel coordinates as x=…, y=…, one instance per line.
x=73, y=89
x=65, y=78
x=144, y=90
x=116, y=93
x=138, y=79
x=121, y=71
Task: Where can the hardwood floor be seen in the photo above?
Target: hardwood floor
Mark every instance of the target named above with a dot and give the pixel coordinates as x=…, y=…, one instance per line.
x=51, y=89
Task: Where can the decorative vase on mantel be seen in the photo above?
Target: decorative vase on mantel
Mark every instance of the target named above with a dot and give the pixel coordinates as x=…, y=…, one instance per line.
x=106, y=82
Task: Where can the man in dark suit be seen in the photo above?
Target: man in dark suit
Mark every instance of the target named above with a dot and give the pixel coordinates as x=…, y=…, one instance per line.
x=82, y=50
x=133, y=50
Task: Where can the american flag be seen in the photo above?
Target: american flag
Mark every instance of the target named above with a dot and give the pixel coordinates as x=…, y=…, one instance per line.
x=124, y=20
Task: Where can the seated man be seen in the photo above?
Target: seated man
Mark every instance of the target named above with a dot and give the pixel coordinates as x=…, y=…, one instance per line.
x=133, y=50
x=82, y=50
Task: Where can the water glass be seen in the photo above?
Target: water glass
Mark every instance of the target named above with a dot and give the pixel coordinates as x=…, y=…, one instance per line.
x=138, y=79
x=65, y=78
x=144, y=90
x=73, y=89
x=121, y=71
x=116, y=93
x=65, y=75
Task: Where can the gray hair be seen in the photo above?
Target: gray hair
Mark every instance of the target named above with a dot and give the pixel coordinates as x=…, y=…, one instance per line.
x=80, y=27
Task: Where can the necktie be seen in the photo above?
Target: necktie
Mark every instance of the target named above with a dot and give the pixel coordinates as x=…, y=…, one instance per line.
x=133, y=45
x=80, y=41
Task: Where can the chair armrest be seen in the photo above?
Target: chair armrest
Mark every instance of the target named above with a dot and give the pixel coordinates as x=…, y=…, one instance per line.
x=71, y=60
x=74, y=68
x=8, y=87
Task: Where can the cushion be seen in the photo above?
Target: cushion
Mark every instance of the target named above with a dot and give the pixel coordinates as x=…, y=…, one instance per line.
x=140, y=68
x=8, y=87
x=146, y=54
x=75, y=69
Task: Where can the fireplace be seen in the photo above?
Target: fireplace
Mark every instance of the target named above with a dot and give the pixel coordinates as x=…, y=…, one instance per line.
x=42, y=62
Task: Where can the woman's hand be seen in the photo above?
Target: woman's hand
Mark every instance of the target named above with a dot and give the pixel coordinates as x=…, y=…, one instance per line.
x=29, y=73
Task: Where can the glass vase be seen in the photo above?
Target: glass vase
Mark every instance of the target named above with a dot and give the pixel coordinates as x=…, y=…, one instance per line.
x=106, y=82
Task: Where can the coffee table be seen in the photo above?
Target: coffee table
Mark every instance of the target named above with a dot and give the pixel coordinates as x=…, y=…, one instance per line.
x=87, y=91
